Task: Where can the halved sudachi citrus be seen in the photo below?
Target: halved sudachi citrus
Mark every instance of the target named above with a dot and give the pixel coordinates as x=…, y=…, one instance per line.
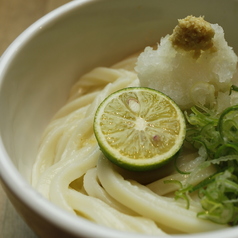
x=139, y=128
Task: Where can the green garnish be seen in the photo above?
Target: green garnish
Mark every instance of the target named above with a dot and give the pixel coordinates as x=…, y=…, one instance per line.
x=233, y=88
x=217, y=135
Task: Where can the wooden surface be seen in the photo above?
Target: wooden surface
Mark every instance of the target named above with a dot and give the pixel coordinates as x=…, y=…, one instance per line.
x=15, y=17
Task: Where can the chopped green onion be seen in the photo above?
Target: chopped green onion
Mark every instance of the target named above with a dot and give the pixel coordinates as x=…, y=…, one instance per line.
x=218, y=135
x=233, y=88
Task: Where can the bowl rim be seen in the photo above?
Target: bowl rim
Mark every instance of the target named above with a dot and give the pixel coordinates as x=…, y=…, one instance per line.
x=24, y=191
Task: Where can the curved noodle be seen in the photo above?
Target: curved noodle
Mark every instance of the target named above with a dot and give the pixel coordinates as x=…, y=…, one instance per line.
x=94, y=189
x=101, y=213
x=163, y=210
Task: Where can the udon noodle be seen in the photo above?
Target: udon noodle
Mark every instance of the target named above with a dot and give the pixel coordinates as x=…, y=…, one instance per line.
x=71, y=171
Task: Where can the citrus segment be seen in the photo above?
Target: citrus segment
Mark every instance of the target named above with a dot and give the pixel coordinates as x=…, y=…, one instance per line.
x=139, y=128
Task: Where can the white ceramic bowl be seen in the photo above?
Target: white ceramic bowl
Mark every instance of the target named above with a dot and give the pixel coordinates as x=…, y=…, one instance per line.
x=39, y=67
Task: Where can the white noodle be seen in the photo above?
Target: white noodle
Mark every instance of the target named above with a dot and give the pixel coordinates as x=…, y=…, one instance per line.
x=101, y=213
x=94, y=189
x=142, y=200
